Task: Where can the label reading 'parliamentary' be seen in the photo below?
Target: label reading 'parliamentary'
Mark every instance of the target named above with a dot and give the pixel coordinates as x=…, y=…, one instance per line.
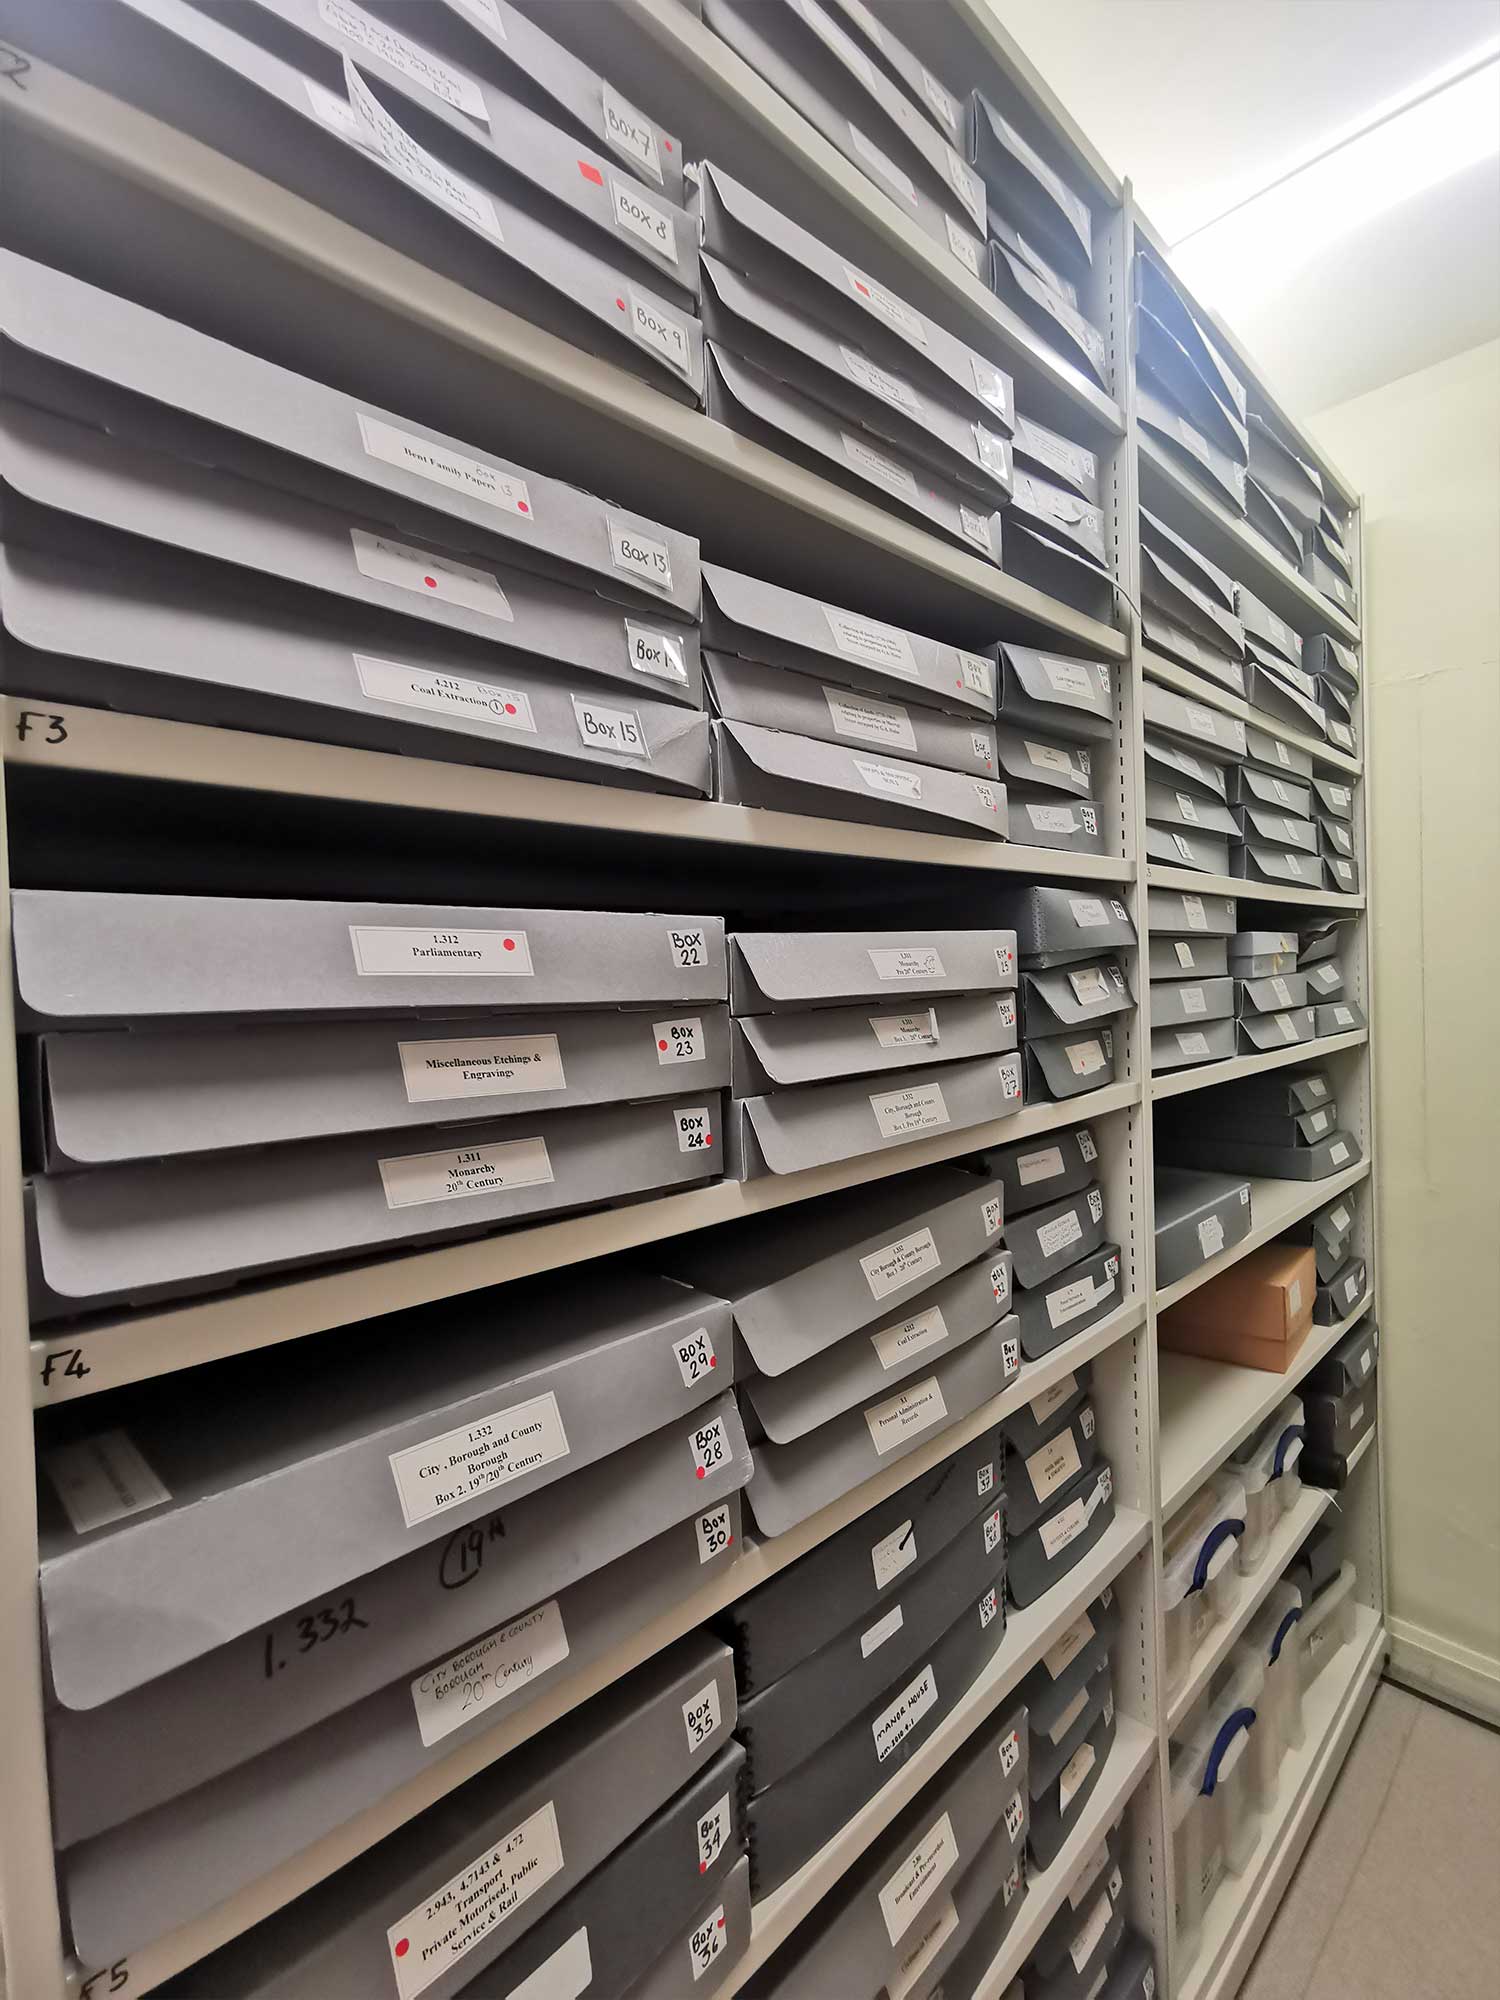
x=415, y=1178
x=476, y=1680
x=493, y=1451
x=901, y=1114
x=442, y=1931
x=906, y=1415
x=398, y=951
x=408, y=568
x=444, y=694
x=896, y=1264
x=485, y=1066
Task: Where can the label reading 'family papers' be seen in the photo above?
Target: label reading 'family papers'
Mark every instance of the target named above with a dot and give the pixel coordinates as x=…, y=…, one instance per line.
x=480, y=1457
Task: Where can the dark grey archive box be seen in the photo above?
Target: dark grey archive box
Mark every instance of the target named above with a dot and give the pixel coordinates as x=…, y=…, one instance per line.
x=1208, y=731
x=994, y=1881
x=1062, y=696
x=1057, y=1808
x=1177, y=911
x=780, y=772
x=1030, y=1426
x=1075, y=1524
x=1338, y=1296
x=1047, y=1240
x=575, y=1541
x=1066, y=997
x=717, y=1934
x=1100, y=1876
x=1039, y=764
x=1041, y=450
x=1069, y=1446
x=1170, y=763
x=535, y=1826
x=1230, y=1154
x=1056, y=1689
x=1070, y=1303
x=1017, y=284
x=1034, y=1172
x=1197, y=1216
x=1087, y=1961
x=857, y=1572
x=1351, y=1365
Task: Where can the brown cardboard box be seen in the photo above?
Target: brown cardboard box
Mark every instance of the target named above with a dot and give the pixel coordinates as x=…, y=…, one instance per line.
x=1256, y=1314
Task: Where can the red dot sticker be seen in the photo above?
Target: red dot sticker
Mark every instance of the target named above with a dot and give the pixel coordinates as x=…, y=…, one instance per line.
x=661, y=1045
x=510, y=708
x=621, y=304
x=721, y=1923
x=523, y=506
x=591, y=173
x=668, y=144
x=729, y=1541
x=708, y=1138
x=713, y=1360
x=403, y=1946
x=430, y=581
x=510, y=944
x=702, y=1867
x=700, y=1471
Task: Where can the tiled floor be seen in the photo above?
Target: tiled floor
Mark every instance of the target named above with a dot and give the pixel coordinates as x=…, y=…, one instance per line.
x=1398, y=1893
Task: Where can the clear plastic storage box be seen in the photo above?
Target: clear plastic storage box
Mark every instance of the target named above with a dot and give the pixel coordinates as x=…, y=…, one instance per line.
x=1273, y=1641
x=1268, y=1465
x=1327, y=1624
x=1214, y=1805
x=1198, y=1569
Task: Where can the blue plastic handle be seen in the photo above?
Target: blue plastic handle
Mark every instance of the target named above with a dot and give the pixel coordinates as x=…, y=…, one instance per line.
x=1284, y=1443
x=1243, y=1718
x=1220, y=1532
x=1282, y=1629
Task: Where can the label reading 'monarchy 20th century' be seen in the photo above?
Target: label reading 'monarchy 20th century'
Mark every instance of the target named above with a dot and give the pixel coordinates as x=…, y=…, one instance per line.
x=493, y=1451
x=412, y=1179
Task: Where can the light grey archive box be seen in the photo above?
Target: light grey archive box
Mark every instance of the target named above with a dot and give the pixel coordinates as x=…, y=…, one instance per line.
x=1181, y=1048
x=412, y=1913
x=716, y=1936
x=509, y=217
x=1188, y=958
x=1198, y=456
x=1205, y=730
x=160, y=387
x=1047, y=312
x=1058, y=926
x=754, y=766
x=1177, y=912
x=1177, y=1003
x=1172, y=764
x=612, y=1538
x=1064, y=697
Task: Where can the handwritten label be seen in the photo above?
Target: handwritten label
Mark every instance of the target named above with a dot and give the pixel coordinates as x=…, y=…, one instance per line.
x=101, y=1479
x=700, y=1715
x=651, y=325
x=472, y=1682
x=715, y=1533
x=380, y=133
x=416, y=63
x=893, y=1553
x=638, y=555
x=710, y=1447
x=894, y=1724
x=638, y=216
x=695, y=1357
x=869, y=721
x=632, y=136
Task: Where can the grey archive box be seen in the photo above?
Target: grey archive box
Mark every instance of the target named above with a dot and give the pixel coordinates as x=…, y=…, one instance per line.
x=768, y=330
x=1075, y=1523
x=1068, y=1666
x=992, y=1883
x=1207, y=730
x=1351, y=1365
x=1064, y=998
x=1197, y=1216
x=1058, y=515
x=535, y=1825
x=1199, y=457
x=1275, y=689
x=170, y=1865
x=1035, y=1171
x=871, y=1916
x=515, y=222
x=636, y=1905
x=1180, y=1048
x=748, y=400
x=1335, y=836
x=114, y=1095
x=1262, y=624
x=783, y=628
x=853, y=1577
x=1275, y=829
x=757, y=239
x=1262, y=1032
x=930, y=95
x=1164, y=356
x=800, y=1278
x=1249, y=952
x=578, y=1543
x=151, y=1230
x=161, y=387
x=1179, y=556
x=791, y=971
x=1072, y=1064
x=384, y=1461
x=1070, y=1303
x=1273, y=754
x=1206, y=854
x=1333, y=1155
x=1068, y=1447
x=1157, y=290
x=1064, y=697
x=789, y=1721
x=1056, y=1810
x=717, y=1934
x=157, y=641
x=1167, y=805
x=1250, y=785
x=1059, y=926
x=1264, y=995
x=1029, y=190
x=1330, y=1232
x=938, y=1321
x=1340, y=1294
x=794, y=1480
x=1176, y=912
x=1170, y=763
x=1041, y=450
x=786, y=1131
x=1075, y=827
x=1039, y=765
x=1047, y=311
x=798, y=774
x=1188, y=958
x=97, y=959
x=1090, y=1941
x=1258, y=861
x=1256, y=1097
x=777, y=1051
x=1177, y=1003
x=771, y=698
x=1030, y=1426
x=1342, y=1017
x=1047, y=1240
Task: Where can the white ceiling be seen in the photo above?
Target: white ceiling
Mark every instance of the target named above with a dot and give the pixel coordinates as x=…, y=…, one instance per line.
x=1204, y=103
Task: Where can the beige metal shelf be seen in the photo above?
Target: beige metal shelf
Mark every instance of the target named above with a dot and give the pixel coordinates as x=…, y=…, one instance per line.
x=1203, y=1076
x=1274, y=1205
x=1250, y=892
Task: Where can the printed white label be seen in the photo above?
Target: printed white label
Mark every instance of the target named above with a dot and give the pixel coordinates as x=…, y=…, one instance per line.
x=1200, y=721
x=1045, y=757
x=1194, y=1000
x=479, y=1457
x=444, y=1929
x=896, y=780
x=1186, y=808
x=1059, y=1233
x=1042, y=1406
x=678, y=1041
x=700, y=1715
x=883, y=165
x=451, y=85
x=906, y=1415
x=1340, y=1217
x=334, y=111
x=1089, y=1875
x=935, y=1933
x=1086, y=1420
x=1090, y=1934
x=1088, y=912
x=1070, y=1301
x=398, y=951
x=977, y=527
x=1075, y=1771
x=1042, y=1166
x=1053, y=1465
x=1193, y=1045
x=655, y=653
x=1183, y=846
x=417, y=167
x=879, y=645
x=569, y=1972
x=880, y=382
x=1193, y=910
x=1069, y=1524
x=1084, y=1057
x=1089, y=986
x=493, y=1066
x=1065, y=1650
x=1344, y=1017
x=710, y=1447
x=902, y=1113
x=1365, y=1361
x=895, y=1344
x=101, y=1479
x=713, y=1830
x=654, y=327
x=963, y=246
x=638, y=555
x=445, y=694
x=451, y=1694
x=411, y=1179
x=875, y=465
x=885, y=1628
x=919, y=1874
x=1068, y=677
x=1318, y=1121
x=640, y=217
x=689, y=949
x=1052, y=819
x=1211, y=1235
x=894, y=1724
x=1086, y=1144
x=905, y=1031
x=707, y=1942
x=715, y=1531
x=1184, y=955
x=630, y=134
x=1338, y=1152
x=878, y=300
x=398, y=563
x=888, y=1269
x=870, y=721
x=617, y=731
x=893, y=1553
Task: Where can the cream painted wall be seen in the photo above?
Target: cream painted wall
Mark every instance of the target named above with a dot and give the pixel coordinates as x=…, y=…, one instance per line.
x=1425, y=451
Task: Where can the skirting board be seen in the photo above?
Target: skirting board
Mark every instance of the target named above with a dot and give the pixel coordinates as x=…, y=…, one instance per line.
x=1431, y=1665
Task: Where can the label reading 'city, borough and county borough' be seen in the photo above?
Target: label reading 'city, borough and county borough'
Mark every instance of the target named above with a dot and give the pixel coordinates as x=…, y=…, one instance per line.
x=476, y=1680
x=491, y=1452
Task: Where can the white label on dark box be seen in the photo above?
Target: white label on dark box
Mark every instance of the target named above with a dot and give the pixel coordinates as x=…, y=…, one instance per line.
x=700, y=1715
x=1042, y=1406
x=1088, y=912
x=1090, y=1934
x=655, y=653
x=1010, y=1077
x=1070, y=1301
x=1086, y=1144
x=640, y=217
x=1053, y=1465
x=404, y=952
x=1340, y=1218
x=992, y=1529
x=473, y=477
x=1015, y=1817
x=884, y=1628
x=710, y=1447
x=1084, y=1057
x=486, y=1066
x=415, y=63
x=638, y=555
x=963, y=246
x=1046, y=757
x=411, y=1179
x=694, y=1129
x=385, y=561
x=707, y=1942
x=569, y=1972
x=895, y=311
x=381, y=134
x=1338, y=1152
x=713, y=1830
x=901, y=1114
x=101, y=1479
x=695, y=1356
x=906, y=1415
x=1043, y=1166
x=1059, y=1233
x=894, y=1724
x=887, y=1270
x=898, y=1343
x=883, y=165
x=869, y=721
x=919, y=1874
x=715, y=1532
x=893, y=1553
x=1052, y=819
x=1065, y=1649
x=977, y=528
x=678, y=1041
x=445, y=1928
x=1211, y=1235
x=1318, y=1120
x=1068, y=1717
x=880, y=381
x=1068, y=1525
x=1344, y=1017
x=445, y=694
x=886, y=472
x=617, y=731
x=905, y=1031
x=1193, y=1045
x=1193, y=910
x=630, y=134
x=479, y=1457
x=923, y=1949
x=984, y=1480
x=474, y=1681
x=1074, y=1772
x=654, y=327
x=895, y=780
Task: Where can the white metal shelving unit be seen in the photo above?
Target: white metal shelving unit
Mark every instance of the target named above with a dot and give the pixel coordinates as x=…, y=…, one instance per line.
x=1166, y=1421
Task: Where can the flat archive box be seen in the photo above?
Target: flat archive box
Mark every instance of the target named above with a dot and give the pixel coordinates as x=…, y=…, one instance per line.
x=718, y=1933
x=1016, y=282
x=1074, y=1523
x=1197, y=1216
x=1330, y=1231
x=1074, y=1947
x=413, y=1911
x=1061, y=1776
